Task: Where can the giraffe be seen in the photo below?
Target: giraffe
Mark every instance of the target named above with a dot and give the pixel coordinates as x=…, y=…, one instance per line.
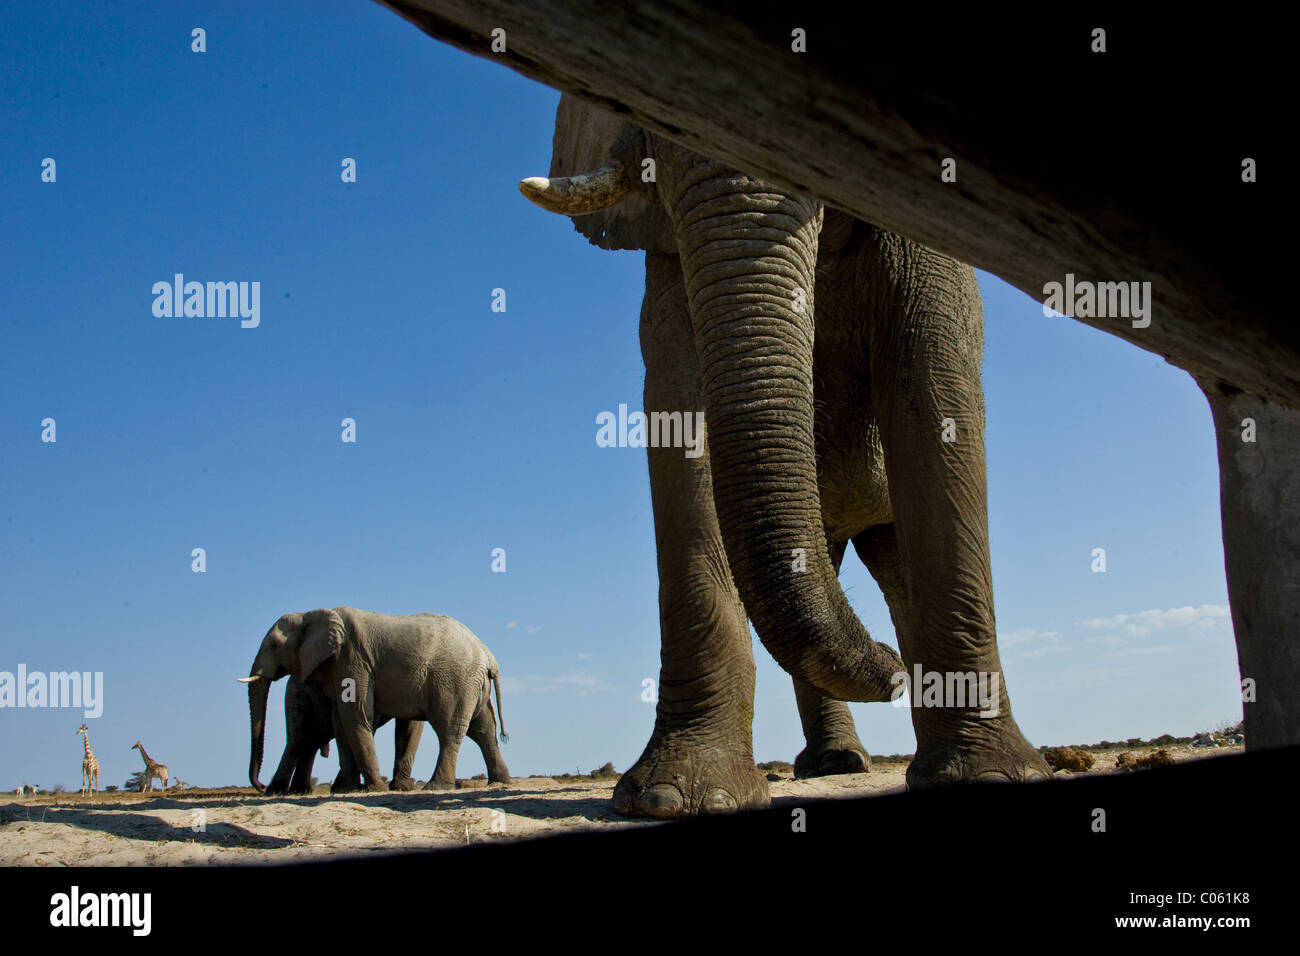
x=89, y=765
x=151, y=769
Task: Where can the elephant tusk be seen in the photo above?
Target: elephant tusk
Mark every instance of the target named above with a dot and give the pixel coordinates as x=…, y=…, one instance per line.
x=249, y=680
x=578, y=195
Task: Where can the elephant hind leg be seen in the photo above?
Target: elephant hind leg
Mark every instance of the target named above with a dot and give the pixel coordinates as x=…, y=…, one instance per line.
x=348, y=779
x=444, y=774
x=832, y=746
x=482, y=730
x=877, y=548
x=832, y=740
x=407, y=741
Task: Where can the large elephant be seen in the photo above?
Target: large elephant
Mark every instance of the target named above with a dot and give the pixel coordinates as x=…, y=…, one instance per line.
x=309, y=728
x=865, y=424
x=411, y=667
x=871, y=110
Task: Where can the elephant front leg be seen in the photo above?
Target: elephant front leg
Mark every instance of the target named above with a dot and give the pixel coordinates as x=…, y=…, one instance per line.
x=354, y=721
x=301, y=781
x=407, y=741
x=700, y=756
x=287, y=773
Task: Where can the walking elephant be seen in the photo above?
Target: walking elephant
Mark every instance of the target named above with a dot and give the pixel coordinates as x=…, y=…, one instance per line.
x=373, y=666
x=860, y=420
x=309, y=728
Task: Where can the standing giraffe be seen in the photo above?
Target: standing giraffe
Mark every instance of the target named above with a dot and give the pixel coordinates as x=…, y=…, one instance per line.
x=151, y=769
x=89, y=765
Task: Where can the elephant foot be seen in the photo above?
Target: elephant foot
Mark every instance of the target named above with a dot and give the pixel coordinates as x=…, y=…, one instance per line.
x=403, y=783
x=375, y=786
x=832, y=756
x=436, y=784
x=976, y=751
x=673, y=780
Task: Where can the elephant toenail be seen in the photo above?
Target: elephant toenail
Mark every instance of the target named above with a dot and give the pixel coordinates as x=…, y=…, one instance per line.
x=719, y=801
x=992, y=776
x=661, y=800
x=623, y=803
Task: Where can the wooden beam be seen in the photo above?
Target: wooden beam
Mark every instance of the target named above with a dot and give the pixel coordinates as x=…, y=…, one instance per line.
x=1119, y=166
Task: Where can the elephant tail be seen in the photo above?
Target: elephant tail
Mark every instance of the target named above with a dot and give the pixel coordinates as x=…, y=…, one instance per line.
x=495, y=677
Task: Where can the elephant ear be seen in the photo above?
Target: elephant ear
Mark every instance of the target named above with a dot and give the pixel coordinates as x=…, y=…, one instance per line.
x=584, y=135
x=322, y=636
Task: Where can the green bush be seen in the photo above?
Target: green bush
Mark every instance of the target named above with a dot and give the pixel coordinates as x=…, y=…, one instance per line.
x=891, y=758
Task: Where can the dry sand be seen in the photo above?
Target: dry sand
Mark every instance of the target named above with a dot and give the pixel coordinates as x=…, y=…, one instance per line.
x=240, y=826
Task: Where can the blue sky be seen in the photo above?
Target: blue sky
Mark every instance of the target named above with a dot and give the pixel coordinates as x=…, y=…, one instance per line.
x=475, y=429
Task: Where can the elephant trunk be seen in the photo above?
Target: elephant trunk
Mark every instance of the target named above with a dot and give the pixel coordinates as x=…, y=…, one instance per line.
x=748, y=258
x=258, y=690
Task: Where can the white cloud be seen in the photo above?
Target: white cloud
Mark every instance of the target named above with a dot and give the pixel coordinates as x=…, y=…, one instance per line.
x=1119, y=631
x=1028, y=635
x=1038, y=651
x=512, y=624
x=1088, y=678
x=1143, y=623
x=1106, y=640
x=1161, y=649
x=1026, y=643
x=584, y=656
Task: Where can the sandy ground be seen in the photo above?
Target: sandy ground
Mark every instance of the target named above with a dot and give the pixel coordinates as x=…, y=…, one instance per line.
x=240, y=826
